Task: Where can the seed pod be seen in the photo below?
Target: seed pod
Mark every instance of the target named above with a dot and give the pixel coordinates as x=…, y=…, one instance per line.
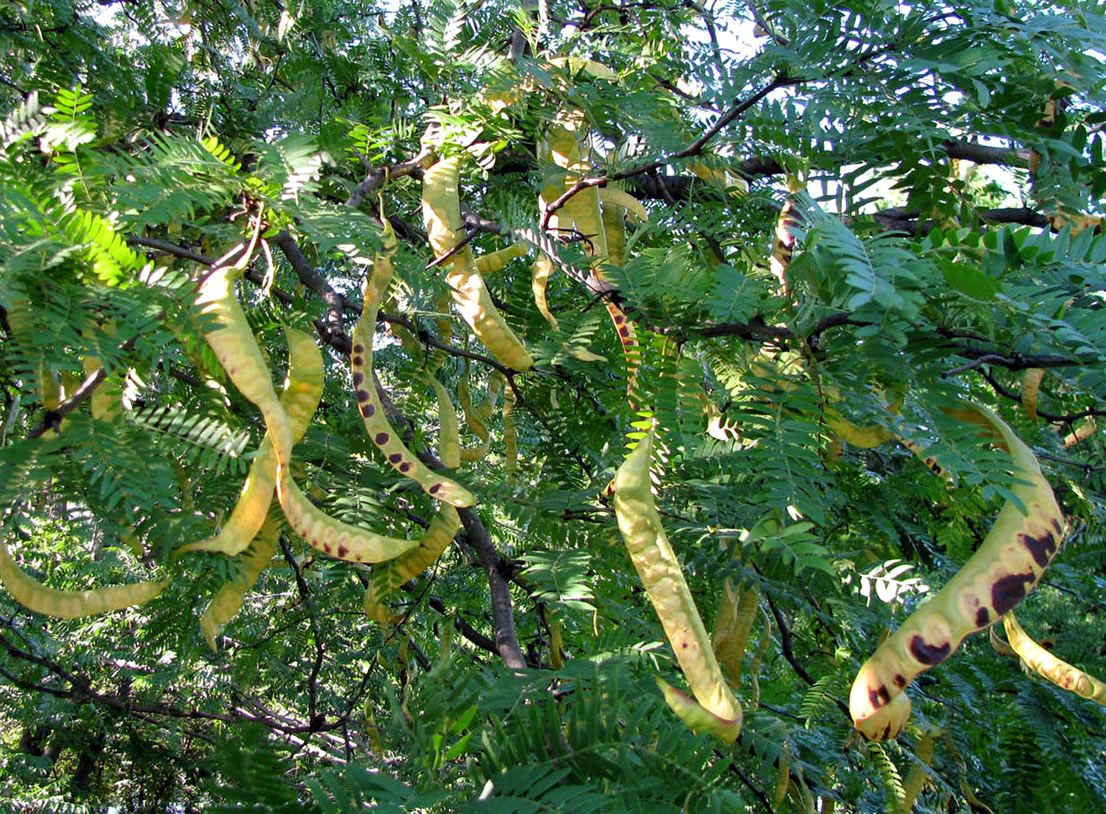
x=495, y=261
x=33, y=595
x=299, y=398
x=1031, y=388
x=392, y=574
x=1007, y=565
x=510, y=435
x=664, y=582
x=229, y=598
x=441, y=209
x=380, y=430
x=1055, y=669
x=732, y=625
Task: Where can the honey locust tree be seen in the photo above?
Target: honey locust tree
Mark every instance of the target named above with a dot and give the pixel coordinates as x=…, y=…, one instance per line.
x=327, y=328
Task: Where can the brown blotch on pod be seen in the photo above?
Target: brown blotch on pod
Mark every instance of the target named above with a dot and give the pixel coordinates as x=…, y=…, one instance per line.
x=927, y=653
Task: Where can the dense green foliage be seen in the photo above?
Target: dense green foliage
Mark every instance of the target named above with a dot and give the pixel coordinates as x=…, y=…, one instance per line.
x=140, y=141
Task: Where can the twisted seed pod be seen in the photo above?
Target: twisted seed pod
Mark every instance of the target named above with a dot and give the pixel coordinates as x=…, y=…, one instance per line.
x=540, y=272
x=449, y=435
x=1055, y=669
x=380, y=430
x=730, y=636
x=441, y=210
x=663, y=579
x=998, y=575
x=229, y=598
x=299, y=398
x=35, y=596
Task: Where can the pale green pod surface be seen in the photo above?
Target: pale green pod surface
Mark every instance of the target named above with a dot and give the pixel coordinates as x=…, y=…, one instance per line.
x=391, y=575
x=997, y=577
x=697, y=718
x=300, y=397
x=229, y=598
x=664, y=582
x=441, y=210
x=35, y=596
x=380, y=430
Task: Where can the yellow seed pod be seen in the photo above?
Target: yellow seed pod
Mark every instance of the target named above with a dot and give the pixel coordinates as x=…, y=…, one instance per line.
x=541, y=271
x=1051, y=667
x=229, y=598
x=389, y=576
x=1031, y=387
x=442, y=215
x=664, y=582
x=300, y=397
x=1011, y=560
x=609, y=196
x=449, y=445
x=33, y=595
x=333, y=537
x=380, y=430
x=495, y=261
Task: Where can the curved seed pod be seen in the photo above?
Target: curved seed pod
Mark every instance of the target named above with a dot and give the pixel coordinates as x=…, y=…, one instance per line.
x=300, y=397
x=448, y=438
x=1031, y=388
x=34, y=596
x=915, y=779
x=556, y=645
x=380, y=430
x=1002, y=571
x=783, y=778
x=475, y=424
x=229, y=598
x=617, y=197
x=664, y=581
x=333, y=537
x=495, y=261
x=732, y=626
x=441, y=210
x=394, y=573
x=540, y=272
x=510, y=434
x=238, y=353
x=1055, y=669
x=862, y=437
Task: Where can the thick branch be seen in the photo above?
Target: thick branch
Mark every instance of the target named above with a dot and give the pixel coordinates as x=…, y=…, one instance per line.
x=506, y=640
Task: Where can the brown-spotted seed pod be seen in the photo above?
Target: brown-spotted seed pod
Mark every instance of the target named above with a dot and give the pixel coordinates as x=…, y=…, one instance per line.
x=997, y=577
x=380, y=430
